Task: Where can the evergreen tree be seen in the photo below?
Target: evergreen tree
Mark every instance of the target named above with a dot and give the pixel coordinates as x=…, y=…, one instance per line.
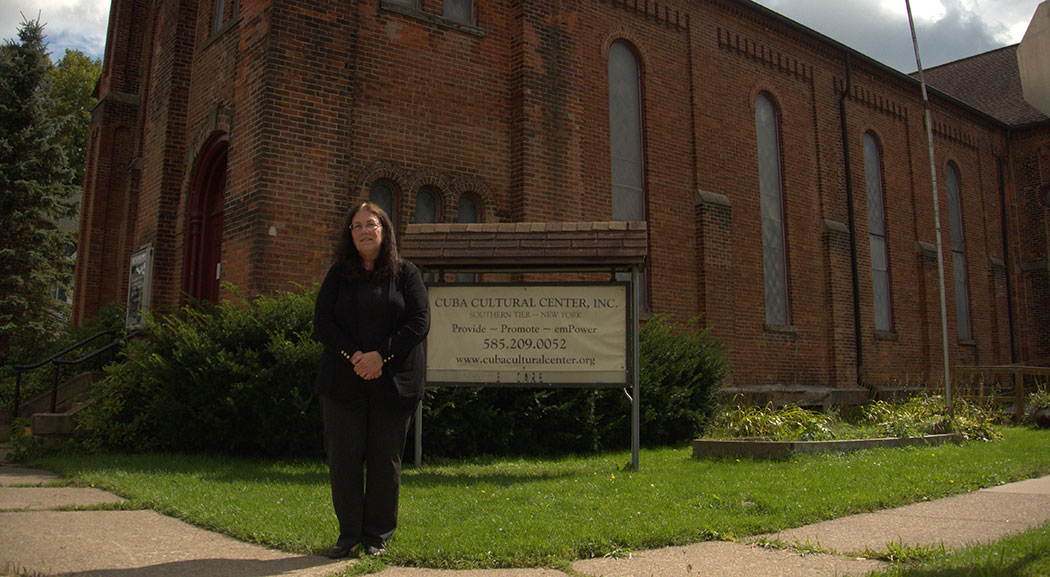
x=35, y=189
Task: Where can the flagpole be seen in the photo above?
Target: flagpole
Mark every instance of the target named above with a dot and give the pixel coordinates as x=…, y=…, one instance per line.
x=936, y=212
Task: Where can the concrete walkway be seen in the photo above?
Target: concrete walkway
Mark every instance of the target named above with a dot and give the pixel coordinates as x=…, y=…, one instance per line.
x=41, y=536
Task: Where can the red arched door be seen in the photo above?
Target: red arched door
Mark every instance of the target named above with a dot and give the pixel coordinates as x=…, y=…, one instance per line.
x=203, y=252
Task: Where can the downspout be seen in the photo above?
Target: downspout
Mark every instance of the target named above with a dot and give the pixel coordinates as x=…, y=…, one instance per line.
x=852, y=220
x=1006, y=248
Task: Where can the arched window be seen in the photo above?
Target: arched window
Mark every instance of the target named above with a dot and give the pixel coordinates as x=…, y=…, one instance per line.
x=467, y=211
x=625, y=134
x=962, y=293
x=384, y=195
x=774, y=245
x=426, y=207
x=880, y=264
x=626, y=145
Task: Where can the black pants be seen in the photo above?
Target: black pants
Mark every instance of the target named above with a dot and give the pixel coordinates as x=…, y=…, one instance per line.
x=364, y=439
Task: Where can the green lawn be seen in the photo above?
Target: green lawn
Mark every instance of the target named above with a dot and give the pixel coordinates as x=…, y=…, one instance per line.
x=1024, y=555
x=545, y=512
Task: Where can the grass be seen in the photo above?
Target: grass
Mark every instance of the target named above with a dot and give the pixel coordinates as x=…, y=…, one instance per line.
x=1024, y=555
x=546, y=512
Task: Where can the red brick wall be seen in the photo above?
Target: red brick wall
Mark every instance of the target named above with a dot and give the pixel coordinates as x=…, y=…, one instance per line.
x=320, y=100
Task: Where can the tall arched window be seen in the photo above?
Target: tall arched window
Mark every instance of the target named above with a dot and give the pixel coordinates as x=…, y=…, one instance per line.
x=625, y=134
x=384, y=195
x=880, y=267
x=962, y=293
x=626, y=145
x=774, y=246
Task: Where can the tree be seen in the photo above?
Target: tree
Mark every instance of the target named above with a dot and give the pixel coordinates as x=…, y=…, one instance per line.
x=35, y=189
x=73, y=82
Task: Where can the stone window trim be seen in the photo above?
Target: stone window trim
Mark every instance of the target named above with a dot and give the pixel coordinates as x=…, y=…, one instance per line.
x=434, y=19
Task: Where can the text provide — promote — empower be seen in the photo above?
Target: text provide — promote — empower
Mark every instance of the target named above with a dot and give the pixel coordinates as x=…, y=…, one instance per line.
x=537, y=335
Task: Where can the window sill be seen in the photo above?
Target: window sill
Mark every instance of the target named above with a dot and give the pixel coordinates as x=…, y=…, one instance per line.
x=886, y=336
x=432, y=18
x=780, y=329
x=967, y=343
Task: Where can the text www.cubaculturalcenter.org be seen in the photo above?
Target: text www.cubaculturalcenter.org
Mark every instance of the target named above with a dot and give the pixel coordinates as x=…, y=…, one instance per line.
x=525, y=360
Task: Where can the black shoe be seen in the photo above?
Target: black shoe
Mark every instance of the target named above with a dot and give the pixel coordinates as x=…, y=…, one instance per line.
x=341, y=549
x=375, y=551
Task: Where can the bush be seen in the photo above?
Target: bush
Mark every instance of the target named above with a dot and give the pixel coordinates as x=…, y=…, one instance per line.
x=238, y=378
x=234, y=378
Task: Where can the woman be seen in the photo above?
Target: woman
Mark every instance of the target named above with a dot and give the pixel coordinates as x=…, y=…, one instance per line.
x=372, y=314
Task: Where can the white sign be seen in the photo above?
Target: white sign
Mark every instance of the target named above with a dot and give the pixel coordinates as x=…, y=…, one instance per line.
x=140, y=281
x=532, y=335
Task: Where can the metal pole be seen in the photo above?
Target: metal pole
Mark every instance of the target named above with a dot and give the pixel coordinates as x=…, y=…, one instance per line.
x=636, y=413
x=936, y=212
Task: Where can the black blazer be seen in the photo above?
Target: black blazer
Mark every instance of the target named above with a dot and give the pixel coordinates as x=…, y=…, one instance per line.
x=402, y=337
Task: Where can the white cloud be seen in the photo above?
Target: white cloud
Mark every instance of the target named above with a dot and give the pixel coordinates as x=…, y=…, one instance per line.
x=947, y=29
x=76, y=24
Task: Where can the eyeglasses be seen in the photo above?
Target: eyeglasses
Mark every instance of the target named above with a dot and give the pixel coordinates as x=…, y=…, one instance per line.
x=369, y=225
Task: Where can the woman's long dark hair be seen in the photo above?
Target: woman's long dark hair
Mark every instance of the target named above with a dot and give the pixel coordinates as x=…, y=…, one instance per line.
x=346, y=253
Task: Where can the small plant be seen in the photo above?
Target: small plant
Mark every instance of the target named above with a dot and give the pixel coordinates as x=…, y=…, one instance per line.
x=791, y=423
x=897, y=552
x=1037, y=407
x=917, y=417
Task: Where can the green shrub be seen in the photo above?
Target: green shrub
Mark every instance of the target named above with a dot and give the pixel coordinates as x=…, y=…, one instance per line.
x=236, y=378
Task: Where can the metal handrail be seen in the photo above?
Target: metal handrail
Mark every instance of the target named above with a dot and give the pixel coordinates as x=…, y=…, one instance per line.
x=57, y=362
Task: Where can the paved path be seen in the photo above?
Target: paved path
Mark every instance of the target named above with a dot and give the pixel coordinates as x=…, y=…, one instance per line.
x=41, y=536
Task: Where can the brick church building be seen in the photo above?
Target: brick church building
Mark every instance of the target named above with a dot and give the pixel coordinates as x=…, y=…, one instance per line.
x=784, y=177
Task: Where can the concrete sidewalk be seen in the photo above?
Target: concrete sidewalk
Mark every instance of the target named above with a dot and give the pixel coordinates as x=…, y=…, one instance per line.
x=38, y=537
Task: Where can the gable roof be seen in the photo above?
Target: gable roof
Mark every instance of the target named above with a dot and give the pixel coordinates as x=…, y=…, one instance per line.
x=990, y=82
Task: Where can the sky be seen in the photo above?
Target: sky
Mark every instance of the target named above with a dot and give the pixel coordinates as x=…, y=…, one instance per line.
x=947, y=29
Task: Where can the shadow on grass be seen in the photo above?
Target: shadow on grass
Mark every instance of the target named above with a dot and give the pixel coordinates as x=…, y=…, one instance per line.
x=1030, y=565
x=430, y=479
